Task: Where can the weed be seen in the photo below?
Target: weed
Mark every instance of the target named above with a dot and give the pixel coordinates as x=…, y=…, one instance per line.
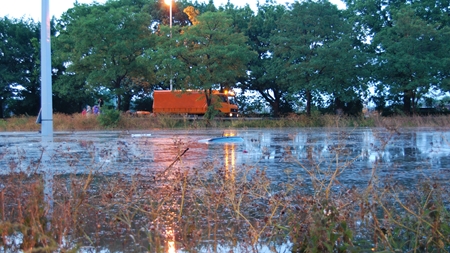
x=217, y=207
x=109, y=118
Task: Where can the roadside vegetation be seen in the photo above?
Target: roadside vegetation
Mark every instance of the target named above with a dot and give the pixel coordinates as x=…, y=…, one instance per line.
x=114, y=120
x=122, y=50
x=213, y=208
x=390, y=55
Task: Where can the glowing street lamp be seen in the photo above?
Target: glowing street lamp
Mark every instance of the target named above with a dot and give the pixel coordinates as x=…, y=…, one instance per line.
x=169, y=2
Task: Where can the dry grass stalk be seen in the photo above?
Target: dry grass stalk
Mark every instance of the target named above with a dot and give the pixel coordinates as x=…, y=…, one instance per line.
x=214, y=207
x=78, y=122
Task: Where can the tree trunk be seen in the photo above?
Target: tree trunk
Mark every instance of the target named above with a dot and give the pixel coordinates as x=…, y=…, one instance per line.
x=407, y=102
x=1, y=108
x=308, y=102
x=338, y=106
x=276, y=108
x=119, y=102
x=277, y=95
x=126, y=102
x=208, y=96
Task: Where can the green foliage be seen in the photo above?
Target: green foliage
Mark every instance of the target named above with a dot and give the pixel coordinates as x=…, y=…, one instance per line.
x=109, y=118
x=422, y=225
x=409, y=50
x=288, y=54
x=268, y=74
x=105, y=45
x=250, y=105
x=325, y=234
x=143, y=104
x=416, y=49
x=212, y=54
x=326, y=61
x=211, y=112
x=19, y=69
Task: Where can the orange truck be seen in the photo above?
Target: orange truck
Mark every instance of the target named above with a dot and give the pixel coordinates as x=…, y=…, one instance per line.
x=192, y=102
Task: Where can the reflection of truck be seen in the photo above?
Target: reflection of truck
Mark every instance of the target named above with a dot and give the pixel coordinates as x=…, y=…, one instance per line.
x=192, y=102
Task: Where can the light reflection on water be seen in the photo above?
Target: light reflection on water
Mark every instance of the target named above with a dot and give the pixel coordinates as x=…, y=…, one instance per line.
x=406, y=156
x=412, y=151
x=170, y=235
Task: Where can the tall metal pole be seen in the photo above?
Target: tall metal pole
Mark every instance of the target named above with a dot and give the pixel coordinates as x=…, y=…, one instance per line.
x=46, y=74
x=169, y=2
x=47, y=109
x=170, y=16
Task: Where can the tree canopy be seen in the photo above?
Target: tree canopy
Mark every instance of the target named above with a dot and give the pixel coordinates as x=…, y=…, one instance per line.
x=105, y=44
x=297, y=57
x=18, y=63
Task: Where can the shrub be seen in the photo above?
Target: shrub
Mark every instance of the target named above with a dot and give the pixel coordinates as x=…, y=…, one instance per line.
x=109, y=118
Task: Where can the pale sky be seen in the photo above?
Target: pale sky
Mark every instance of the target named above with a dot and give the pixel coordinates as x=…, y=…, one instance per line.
x=32, y=8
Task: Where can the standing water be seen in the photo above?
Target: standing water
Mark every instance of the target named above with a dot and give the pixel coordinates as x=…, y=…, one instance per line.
x=130, y=191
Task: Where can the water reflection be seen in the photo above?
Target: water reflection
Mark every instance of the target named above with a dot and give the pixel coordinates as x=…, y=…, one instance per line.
x=170, y=237
x=230, y=160
x=115, y=152
x=405, y=156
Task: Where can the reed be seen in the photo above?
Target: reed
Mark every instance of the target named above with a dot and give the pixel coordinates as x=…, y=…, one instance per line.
x=215, y=208
x=78, y=122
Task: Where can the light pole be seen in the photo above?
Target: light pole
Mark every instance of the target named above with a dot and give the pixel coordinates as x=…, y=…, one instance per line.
x=169, y=2
x=46, y=74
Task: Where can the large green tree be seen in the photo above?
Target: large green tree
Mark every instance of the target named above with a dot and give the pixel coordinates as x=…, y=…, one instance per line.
x=316, y=50
x=208, y=55
x=410, y=52
x=267, y=76
x=412, y=56
x=19, y=73
x=105, y=45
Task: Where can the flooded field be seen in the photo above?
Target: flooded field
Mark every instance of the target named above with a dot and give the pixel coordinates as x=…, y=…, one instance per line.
x=182, y=181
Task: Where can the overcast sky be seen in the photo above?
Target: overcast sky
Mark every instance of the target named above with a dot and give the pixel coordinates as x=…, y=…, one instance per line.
x=32, y=8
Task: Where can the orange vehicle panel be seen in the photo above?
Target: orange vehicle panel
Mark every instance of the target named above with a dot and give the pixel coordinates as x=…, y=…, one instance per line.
x=187, y=102
x=166, y=101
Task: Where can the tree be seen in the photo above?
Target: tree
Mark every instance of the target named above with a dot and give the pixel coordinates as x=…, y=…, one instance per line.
x=106, y=45
x=410, y=54
x=317, y=52
x=267, y=76
x=159, y=12
x=19, y=92
x=204, y=56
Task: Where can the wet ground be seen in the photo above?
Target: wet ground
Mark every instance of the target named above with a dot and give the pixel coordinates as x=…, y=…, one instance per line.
x=405, y=156
x=410, y=153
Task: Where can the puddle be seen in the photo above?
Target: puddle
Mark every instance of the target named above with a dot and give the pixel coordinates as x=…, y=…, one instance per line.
x=282, y=154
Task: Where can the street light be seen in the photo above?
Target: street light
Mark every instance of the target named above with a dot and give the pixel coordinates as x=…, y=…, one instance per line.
x=46, y=112
x=169, y=2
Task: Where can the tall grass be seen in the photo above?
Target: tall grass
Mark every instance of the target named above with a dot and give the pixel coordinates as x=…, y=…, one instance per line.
x=78, y=122
x=215, y=208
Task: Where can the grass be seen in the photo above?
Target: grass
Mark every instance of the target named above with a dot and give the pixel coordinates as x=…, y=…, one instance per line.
x=215, y=208
x=78, y=122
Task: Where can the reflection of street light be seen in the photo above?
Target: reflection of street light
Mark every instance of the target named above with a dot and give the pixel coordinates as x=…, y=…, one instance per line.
x=230, y=161
x=170, y=235
x=169, y=2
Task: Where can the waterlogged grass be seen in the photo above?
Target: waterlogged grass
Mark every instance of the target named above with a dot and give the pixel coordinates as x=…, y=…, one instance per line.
x=115, y=121
x=214, y=208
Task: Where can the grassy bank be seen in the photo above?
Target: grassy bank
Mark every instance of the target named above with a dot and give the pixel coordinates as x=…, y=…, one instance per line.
x=78, y=122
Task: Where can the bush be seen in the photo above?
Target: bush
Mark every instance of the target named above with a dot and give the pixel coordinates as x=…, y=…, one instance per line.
x=109, y=118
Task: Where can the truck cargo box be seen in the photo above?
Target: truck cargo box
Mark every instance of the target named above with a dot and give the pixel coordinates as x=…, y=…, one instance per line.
x=191, y=102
